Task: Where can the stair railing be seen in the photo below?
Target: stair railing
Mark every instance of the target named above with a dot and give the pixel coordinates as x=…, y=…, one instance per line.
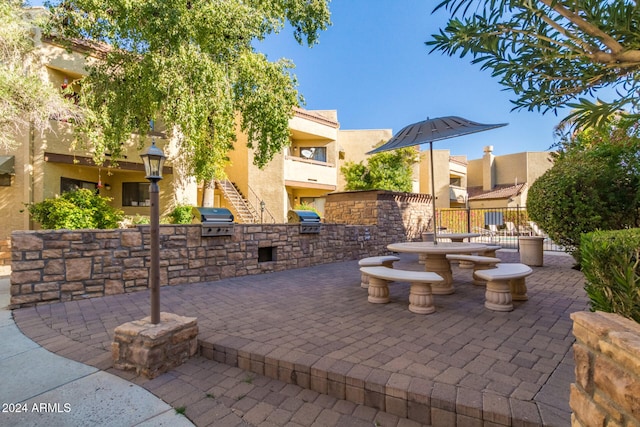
x=239, y=203
x=263, y=216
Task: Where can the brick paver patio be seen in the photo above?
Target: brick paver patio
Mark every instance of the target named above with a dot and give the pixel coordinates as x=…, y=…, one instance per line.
x=304, y=347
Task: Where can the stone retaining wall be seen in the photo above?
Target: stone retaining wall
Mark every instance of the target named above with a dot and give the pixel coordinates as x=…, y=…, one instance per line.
x=607, y=357
x=411, y=210
x=62, y=265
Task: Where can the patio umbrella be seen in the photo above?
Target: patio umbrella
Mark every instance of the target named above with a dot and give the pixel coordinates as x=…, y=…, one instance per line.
x=431, y=130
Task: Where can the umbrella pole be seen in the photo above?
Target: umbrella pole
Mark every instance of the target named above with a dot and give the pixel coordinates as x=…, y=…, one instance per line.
x=433, y=195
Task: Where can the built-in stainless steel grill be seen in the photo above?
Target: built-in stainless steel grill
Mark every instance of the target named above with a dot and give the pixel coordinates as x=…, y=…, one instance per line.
x=215, y=221
x=309, y=221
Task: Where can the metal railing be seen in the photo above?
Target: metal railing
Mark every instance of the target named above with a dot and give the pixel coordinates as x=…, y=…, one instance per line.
x=263, y=215
x=501, y=226
x=240, y=205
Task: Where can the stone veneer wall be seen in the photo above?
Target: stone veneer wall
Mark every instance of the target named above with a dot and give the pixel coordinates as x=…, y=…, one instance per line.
x=62, y=265
x=410, y=211
x=607, y=358
x=5, y=257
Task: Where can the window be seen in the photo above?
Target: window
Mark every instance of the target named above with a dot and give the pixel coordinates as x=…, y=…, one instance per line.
x=135, y=194
x=314, y=153
x=69, y=184
x=455, y=180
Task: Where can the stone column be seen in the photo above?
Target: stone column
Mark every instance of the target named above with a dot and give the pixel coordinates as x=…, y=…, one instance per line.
x=152, y=349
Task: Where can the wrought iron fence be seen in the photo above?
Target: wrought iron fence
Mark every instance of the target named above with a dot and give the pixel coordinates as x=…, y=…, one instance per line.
x=500, y=226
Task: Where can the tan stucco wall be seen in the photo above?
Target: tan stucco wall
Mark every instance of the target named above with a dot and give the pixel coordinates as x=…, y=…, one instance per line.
x=538, y=163
x=268, y=185
x=511, y=168
x=13, y=197
x=474, y=173
x=355, y=144
x=441, y=172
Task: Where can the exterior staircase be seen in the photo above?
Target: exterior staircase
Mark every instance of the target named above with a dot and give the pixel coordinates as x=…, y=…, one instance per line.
x=245, y=213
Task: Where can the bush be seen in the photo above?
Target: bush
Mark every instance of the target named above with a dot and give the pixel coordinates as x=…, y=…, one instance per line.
x=390, y=170
x=611, y=265
x=137, y=219
x=306, y=207
x=181, y=214
x=586, y=190
x=75, y=210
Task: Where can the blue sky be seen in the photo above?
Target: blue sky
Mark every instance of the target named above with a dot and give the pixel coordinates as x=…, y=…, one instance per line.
x=373, y=67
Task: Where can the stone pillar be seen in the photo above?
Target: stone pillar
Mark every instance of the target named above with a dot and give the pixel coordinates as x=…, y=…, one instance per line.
x=154, y=349
x=607, y=359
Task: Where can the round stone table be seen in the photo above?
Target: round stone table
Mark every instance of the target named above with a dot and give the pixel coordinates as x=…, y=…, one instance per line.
x=436, y=258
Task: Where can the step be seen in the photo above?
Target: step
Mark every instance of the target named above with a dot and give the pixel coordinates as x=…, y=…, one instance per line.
x=415, y=399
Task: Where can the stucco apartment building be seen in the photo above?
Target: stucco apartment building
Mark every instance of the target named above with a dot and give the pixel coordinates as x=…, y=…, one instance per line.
x=41, y=166
x=304, y=173
x=504, y=181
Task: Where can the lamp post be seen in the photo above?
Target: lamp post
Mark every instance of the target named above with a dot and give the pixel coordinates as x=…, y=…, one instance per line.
x=153, y=161
x=262, y=204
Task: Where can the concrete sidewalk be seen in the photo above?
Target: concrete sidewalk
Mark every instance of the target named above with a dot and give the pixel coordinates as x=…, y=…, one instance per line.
x=40, y=388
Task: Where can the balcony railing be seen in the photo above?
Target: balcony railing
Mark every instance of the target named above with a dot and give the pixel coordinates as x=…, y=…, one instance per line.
x=458, y=194
x=310, y=171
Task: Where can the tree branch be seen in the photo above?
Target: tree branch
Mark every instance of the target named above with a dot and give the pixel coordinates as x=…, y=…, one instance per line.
x=585, y=26
x=618, y=55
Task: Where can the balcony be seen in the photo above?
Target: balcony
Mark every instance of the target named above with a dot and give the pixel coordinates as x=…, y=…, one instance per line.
x=457, y=194
x=307, y=173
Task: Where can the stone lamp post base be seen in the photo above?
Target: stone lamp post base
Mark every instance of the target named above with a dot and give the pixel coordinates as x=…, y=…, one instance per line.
x=154, y=349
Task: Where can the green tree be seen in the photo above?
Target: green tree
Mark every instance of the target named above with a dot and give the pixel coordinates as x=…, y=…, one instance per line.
x=75, y=210
x=594, y=184
x=25, y=100
x=552, y=53
x=192, y=66
x=389, y=170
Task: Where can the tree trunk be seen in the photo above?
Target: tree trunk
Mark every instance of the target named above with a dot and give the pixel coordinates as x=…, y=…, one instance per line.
x=207, y=193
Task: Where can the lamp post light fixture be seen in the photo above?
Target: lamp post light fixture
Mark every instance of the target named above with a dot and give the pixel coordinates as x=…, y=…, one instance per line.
x=153, y=161
x=262, y=205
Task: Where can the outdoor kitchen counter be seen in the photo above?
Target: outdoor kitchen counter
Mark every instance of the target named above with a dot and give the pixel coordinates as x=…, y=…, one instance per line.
x=436, y=258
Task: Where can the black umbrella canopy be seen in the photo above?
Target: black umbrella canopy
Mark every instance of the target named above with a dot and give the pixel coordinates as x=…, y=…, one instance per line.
x=428, y=131
x=433, y=130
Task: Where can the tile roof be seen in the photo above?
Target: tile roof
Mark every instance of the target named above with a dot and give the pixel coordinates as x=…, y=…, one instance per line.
x=497, y=192
x=315, y=116
x=80, y=45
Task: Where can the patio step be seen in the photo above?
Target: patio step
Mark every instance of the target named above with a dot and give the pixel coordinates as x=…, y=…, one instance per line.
x=415, y=399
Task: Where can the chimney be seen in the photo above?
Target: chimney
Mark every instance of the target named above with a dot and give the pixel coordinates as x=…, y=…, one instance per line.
x=488, y=169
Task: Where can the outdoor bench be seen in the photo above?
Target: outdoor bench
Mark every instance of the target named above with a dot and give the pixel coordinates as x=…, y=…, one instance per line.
x=477, y=262
x=491, y=250
x=375, y=261
x=505, y=283
x=420, y=295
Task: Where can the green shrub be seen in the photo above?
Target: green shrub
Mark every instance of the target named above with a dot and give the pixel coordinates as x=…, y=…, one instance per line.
x=390, y=170
x=137, y=219
x=593, y=185
x=181, y=214
x=585, y=192
x=75, y=210
x=306, y=207
x=611, y=265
